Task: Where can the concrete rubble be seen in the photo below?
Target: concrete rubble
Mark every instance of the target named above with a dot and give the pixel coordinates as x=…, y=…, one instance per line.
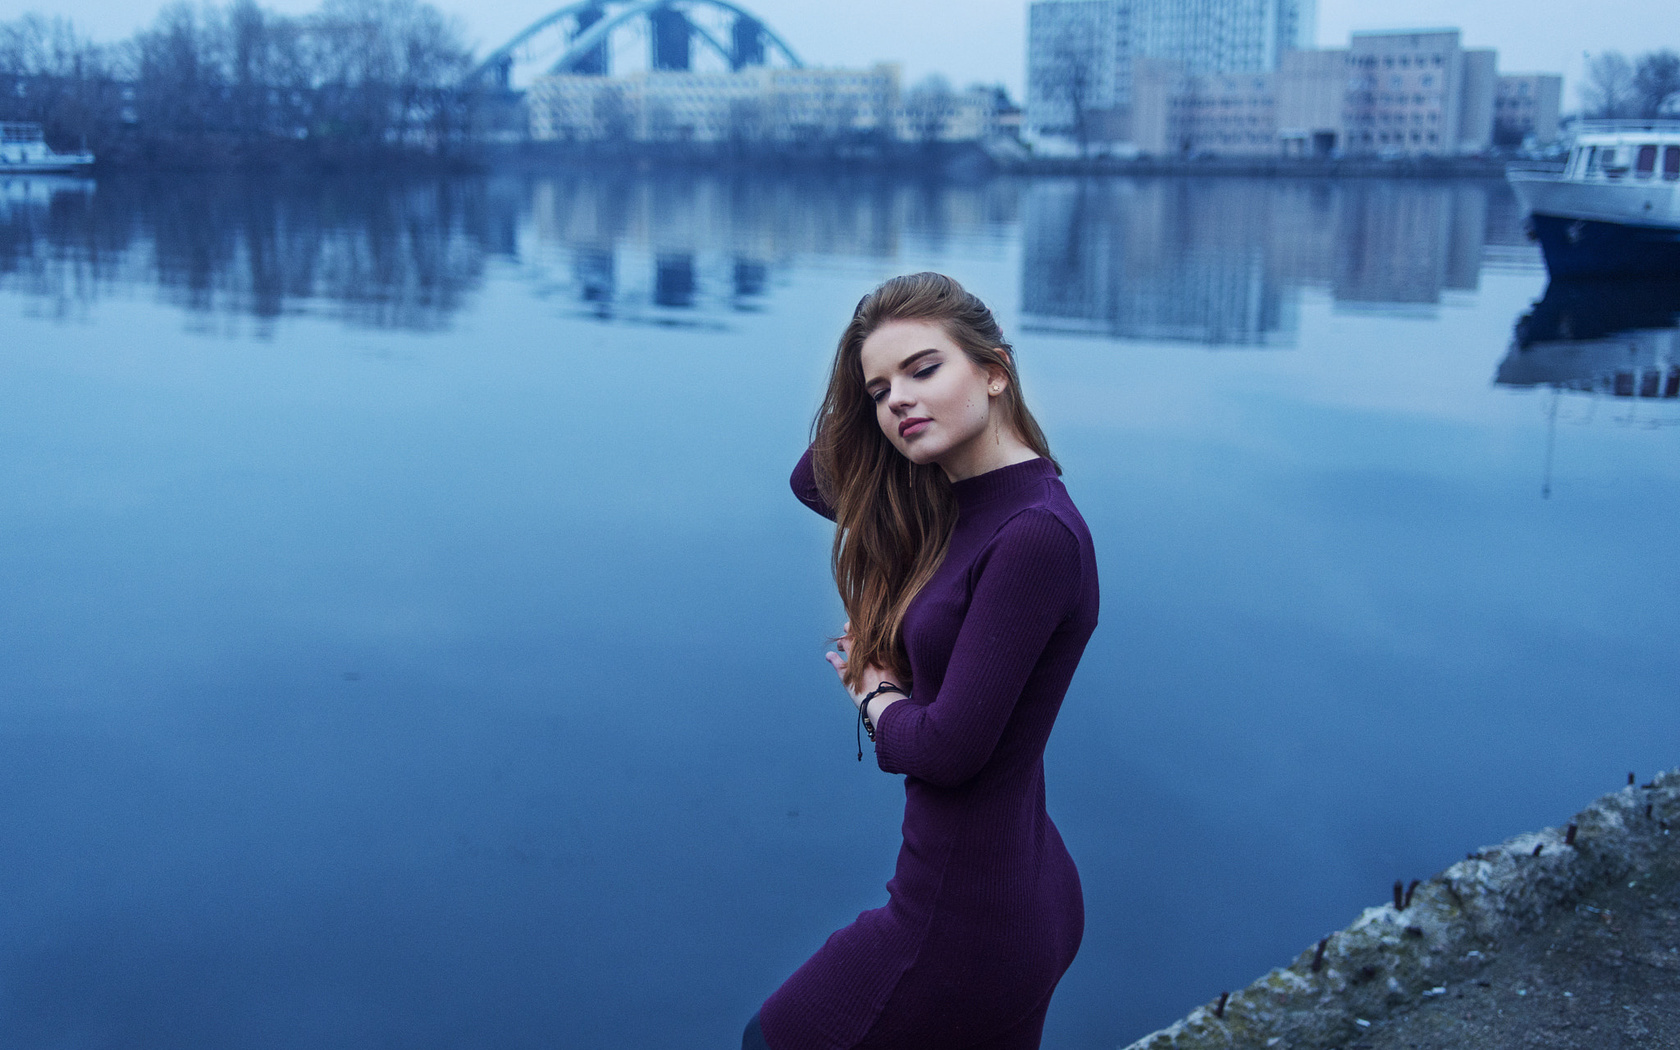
x=1400, y=956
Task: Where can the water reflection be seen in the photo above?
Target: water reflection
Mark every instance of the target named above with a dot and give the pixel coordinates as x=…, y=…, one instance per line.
x=1620, y=338
x=1210, y=261
x=684, y=250
x=1222, y=261
x=399, y=255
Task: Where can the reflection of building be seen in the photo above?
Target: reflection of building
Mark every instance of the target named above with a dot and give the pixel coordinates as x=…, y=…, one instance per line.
x=1157, y=260
x=1619, y=338
x=1406, y=243
x=672, y=249
x=1222, y=260
x=1082, y=55
x=1407, y=93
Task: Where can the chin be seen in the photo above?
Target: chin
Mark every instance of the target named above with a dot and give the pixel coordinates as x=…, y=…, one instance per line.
x=920, y=454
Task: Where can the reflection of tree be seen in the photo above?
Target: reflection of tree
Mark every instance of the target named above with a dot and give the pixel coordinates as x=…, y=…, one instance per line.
x=376, y=253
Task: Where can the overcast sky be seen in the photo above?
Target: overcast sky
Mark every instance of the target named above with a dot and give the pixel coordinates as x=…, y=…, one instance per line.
x=982, y=40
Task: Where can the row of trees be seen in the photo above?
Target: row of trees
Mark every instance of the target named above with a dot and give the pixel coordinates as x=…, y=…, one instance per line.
x=1646, y=87
x=208, y=83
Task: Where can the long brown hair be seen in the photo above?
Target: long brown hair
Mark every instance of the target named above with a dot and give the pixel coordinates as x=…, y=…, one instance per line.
x=894, y=518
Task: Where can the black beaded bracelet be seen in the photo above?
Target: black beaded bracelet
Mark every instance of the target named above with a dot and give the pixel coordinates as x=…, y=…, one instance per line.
x=864, y=724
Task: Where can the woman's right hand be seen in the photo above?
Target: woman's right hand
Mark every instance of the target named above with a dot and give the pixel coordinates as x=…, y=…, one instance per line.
x=872, y=676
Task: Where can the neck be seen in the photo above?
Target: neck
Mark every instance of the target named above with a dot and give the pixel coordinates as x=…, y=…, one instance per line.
x=997, y=447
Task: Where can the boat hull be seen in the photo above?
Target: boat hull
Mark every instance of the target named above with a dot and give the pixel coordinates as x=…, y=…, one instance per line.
x=1577, y=247
x=1604, y=228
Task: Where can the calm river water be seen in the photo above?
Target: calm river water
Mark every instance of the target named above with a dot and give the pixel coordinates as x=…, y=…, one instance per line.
x=407, y=637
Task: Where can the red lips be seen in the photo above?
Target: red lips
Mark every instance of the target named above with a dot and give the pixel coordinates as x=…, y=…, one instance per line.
x=913, y=425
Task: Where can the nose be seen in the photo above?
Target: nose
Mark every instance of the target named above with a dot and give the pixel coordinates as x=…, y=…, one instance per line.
x=899, y=398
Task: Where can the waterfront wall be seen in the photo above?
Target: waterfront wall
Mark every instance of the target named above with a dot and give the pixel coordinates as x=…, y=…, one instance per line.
x=1394, y=955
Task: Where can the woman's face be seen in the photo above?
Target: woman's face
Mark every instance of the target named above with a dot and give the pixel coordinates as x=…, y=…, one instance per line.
x=932, y=401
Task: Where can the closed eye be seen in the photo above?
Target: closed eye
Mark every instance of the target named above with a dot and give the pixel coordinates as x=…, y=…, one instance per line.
x=929, y=370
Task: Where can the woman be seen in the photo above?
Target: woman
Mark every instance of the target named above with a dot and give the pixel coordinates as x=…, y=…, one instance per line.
x=971, y=587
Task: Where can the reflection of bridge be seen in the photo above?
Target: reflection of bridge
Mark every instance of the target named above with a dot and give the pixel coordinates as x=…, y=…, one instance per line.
x=584, y=34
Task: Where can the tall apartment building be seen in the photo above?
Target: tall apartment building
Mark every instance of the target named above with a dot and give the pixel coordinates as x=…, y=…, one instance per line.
x=1082, y=55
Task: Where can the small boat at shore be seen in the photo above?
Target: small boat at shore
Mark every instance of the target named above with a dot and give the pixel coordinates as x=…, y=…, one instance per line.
x=1615, y=206
x=24, y=151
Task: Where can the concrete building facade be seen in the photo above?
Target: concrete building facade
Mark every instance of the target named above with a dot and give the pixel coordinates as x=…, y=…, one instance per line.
x=755, y=105
x=1525, y=108
x=1082, y=55
x=1392, y=94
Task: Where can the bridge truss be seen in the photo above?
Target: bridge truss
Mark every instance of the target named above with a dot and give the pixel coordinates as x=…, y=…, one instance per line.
x=611, y=37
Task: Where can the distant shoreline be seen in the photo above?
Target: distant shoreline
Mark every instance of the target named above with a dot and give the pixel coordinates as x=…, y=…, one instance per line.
x=966, y=160
x=960, y=161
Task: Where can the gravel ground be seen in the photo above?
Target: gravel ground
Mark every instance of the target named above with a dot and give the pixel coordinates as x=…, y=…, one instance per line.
x=1604, y=975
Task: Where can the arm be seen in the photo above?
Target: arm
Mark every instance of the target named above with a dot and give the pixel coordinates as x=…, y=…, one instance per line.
x=1029, y=582
x=804, y=482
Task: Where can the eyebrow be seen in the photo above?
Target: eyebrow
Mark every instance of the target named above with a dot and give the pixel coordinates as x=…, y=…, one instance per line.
x=906, y=363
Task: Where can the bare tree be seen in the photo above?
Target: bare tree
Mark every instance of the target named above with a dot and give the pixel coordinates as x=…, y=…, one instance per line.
x=52, y=75
x=1071, y=79
x=1656, y=82
x=1609, y=91
x=236, y=80
x=929, y=107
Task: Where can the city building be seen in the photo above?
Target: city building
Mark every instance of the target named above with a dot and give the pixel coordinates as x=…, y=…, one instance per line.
x=1409, y=93
x=1525, y=109
x=759, y=104
x=1083, y=55
x=753, y=104
x=1419, y=93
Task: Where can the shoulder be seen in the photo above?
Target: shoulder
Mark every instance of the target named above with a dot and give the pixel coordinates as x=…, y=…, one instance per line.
x=1039, y=540
x=1048, y=518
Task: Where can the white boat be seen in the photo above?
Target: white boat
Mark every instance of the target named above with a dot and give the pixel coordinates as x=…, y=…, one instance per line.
x=24, y=151
x=1615, y=207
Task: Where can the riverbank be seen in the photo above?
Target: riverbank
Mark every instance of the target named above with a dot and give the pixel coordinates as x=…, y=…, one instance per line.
x=1288, y=167
x=959, y=160
x=942, y=160
x=1567, y=937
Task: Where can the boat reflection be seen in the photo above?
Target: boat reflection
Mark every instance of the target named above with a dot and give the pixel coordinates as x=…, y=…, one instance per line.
x=1618, y=338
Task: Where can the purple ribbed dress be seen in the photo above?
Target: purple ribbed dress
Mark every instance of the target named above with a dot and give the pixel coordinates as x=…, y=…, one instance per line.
x=985, y=913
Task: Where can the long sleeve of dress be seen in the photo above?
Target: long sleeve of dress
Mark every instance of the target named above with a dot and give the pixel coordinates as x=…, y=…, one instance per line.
x=1028, y=583
x=804, y=482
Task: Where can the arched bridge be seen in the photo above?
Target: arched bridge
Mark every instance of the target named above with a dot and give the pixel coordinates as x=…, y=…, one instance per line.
x=583, y=33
